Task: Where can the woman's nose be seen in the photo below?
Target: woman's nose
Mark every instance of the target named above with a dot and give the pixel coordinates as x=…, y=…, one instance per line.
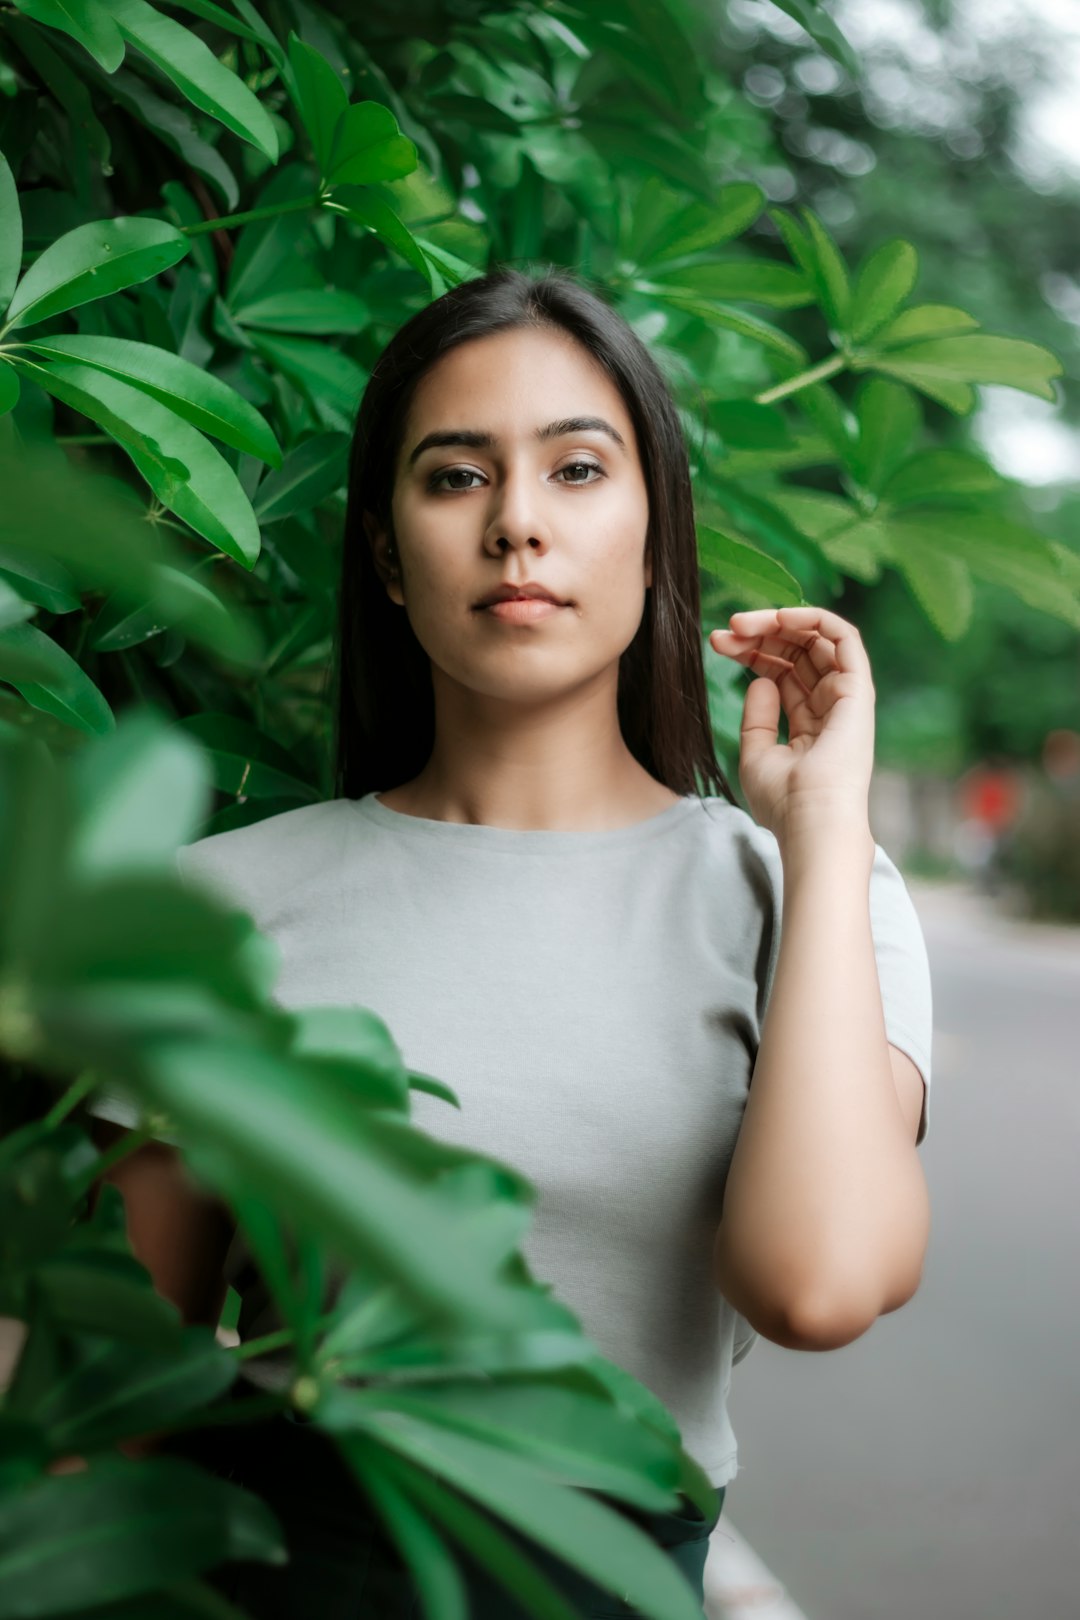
x=516, y=518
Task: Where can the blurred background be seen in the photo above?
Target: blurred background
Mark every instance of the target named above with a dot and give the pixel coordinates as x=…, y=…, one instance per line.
x=931, y=1468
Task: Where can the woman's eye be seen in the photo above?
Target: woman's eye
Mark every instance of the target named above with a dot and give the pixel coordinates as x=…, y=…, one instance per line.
x=437, y=482
x=453, y=472
x=589, y=466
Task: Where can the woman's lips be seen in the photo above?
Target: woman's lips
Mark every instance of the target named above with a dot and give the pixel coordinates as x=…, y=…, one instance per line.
x=522, y=609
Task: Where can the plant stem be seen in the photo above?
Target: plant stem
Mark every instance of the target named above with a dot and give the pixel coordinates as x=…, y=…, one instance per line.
x=805, y=379
x=278, y=1340
x=104, y=1162
x=227, y=221
x=80, y=1087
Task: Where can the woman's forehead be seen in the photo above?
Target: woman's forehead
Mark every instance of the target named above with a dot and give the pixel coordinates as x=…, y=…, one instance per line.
x=518, y=386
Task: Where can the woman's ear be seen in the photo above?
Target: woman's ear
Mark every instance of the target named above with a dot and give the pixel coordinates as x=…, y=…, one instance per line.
x=385, y=558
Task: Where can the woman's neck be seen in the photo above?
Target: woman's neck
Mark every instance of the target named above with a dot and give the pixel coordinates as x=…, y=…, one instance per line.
x=496, y=804
x=561, y=765
x=534, y=801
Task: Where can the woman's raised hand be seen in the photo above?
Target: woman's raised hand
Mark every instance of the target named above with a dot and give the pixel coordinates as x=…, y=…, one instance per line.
x=814, y=663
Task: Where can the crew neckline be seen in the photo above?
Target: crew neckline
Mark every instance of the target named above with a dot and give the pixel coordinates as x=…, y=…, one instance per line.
x=551, y=839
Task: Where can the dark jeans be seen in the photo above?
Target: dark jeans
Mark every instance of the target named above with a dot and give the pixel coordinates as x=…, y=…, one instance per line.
x=343, y=1565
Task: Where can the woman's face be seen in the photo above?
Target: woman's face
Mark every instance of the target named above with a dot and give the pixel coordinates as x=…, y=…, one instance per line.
x=568, y=510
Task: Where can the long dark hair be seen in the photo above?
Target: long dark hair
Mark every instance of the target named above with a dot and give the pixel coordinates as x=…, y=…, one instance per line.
x=384, y=703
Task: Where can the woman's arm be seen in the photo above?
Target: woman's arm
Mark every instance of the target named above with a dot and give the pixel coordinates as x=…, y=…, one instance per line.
x=180, y=1232
x=826, y=1213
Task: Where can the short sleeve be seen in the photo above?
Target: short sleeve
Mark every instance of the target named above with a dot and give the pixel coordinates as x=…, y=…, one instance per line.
x=900, y=951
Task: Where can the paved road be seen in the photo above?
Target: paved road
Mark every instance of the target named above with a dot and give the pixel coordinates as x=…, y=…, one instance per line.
x=932, y=1468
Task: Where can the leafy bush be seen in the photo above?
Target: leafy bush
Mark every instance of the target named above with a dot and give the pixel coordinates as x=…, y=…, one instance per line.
x=208, y=231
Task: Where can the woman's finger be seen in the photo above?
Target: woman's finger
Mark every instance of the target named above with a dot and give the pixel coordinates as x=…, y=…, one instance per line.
x=847, y=643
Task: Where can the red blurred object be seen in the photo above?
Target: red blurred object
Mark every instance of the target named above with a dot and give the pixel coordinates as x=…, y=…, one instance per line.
x=991, y=794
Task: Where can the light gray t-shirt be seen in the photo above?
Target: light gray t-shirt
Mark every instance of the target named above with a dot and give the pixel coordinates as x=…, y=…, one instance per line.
x=595, y=1000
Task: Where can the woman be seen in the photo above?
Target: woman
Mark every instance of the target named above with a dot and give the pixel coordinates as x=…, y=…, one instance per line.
x=526, y=875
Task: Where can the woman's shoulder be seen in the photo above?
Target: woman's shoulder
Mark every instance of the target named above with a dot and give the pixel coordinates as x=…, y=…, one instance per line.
x=279, y=849
x=727, y=826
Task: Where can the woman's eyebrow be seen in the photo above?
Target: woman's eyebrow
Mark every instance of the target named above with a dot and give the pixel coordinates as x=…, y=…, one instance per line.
x=476, y=440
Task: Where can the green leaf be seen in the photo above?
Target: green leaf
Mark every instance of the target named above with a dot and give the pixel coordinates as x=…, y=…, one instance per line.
x=979, y=358
x=14, y=609
x=158, y=933
x=832, y=418
x=955, y=396
x=39, y=579
x=117, y=625
x=472, y=111
x=940, y=583
x=9, y=388
x=941, y=475
x=331, y=382
x=849, y=541
x=995, y=549
x=742, y=425
x=92, y=261
x=368, y=147
x=111, y=403
x=321, y=97
x=750, y=574
x=11, y=233
x=433, y=1087
x=274, y=254
x=207, y=83
x=72, y=531
x=188, y=390
x=181, y=603
x=883, y=283
x=578, y=1528
x=762, y=518
x=665, y=226
x=87, y=23
x=244, y=759
x=106, y=1293
x=736, y=320
x=179, y=130
x=122, y=1528
x=67, y=87
x=183, y=469
x=758, y=281
x=923, y=321
x=225, y=19
x=311, y=472
x=446, y=269
x=141, y=791
x=575, y=1432
x=823, y=29
x=890, y=418
x=123, y=1390
x=302, y=309
x=376, y=215
x=832, y=272
x=35, y=1209
x=491, y=1549
x=58, y=685
x=291, y=1127
x=360, y=1044
x=389, y=1482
